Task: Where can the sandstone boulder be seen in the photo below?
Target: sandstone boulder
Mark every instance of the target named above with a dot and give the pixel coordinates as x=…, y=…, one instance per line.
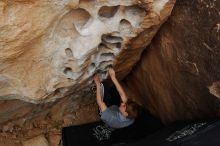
x=50, y=49
x=178, y=75
x=36, y=141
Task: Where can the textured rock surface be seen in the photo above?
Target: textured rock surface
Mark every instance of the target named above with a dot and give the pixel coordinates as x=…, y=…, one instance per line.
x=178, y=75
x=49, y=49
x=36, y=141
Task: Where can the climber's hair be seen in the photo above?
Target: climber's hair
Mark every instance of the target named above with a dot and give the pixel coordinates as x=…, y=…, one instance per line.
x=133, y=109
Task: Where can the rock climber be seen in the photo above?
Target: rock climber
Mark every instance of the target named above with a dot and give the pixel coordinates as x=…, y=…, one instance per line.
x=115, y=116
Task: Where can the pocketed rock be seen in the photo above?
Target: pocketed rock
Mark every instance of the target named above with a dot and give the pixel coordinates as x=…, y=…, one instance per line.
x=50, y=49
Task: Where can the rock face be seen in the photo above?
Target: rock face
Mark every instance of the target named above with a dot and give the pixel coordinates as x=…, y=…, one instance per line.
x=37, y=141
x=50, y=49
x=178, y=76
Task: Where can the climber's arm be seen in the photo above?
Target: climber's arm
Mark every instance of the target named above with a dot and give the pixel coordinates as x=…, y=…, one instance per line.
x=118, y=86
x=99, y=100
